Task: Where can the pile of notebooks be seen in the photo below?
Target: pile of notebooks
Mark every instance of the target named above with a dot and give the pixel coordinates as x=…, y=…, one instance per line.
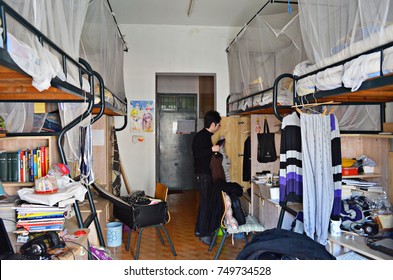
x=32, y=218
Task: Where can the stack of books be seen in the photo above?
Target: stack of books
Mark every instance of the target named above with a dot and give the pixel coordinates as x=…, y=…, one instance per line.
x=360, y=187
x=33, y=218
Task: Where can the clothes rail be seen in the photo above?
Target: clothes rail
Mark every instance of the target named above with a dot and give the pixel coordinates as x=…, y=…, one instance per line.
x=118, y=28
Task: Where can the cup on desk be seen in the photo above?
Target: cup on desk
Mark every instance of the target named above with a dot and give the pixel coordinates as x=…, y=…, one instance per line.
x=335, y=229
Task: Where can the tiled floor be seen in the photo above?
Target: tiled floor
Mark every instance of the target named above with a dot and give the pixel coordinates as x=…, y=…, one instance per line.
x=183, y=209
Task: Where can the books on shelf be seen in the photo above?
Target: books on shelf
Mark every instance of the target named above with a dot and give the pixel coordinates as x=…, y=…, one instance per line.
x=359, y=187
x=358, y=182
x=24, y=165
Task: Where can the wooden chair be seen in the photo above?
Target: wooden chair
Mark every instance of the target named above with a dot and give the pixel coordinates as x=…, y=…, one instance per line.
x=250, y=226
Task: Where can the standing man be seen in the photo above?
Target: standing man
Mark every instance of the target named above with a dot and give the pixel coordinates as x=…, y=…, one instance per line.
x=203, y=149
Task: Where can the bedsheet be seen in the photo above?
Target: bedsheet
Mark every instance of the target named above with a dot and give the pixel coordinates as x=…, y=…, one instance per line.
x=40, y=64
x=351, y=75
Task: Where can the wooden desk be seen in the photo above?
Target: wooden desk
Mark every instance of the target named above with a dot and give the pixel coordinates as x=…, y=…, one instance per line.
x=103, y=209
x=356, y=243
x=77, y=244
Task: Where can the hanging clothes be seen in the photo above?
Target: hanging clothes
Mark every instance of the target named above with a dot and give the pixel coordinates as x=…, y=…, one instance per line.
x=86, y=155
x=247, y=160
x=319, y=186
x=310, y=169
x=217, y=170
x=116, y=171
x=291, y=177
x=337, y=168
x=226, y=163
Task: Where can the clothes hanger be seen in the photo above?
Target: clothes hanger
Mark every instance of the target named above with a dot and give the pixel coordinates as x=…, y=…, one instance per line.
x=315, y=104
x=331, y=110
x=308, y=106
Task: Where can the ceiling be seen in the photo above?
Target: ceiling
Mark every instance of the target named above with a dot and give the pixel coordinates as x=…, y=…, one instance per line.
x=228, y=13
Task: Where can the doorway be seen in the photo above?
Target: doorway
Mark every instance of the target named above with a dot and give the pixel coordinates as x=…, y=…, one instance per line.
x=181, y=101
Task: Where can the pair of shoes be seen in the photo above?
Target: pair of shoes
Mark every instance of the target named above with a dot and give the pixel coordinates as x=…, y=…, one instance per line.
x=206, y=239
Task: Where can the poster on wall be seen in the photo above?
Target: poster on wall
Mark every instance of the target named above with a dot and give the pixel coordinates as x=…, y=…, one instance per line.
x=142, y=116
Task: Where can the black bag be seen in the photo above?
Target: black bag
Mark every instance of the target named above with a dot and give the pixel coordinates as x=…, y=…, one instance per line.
x=237, y=210
x=266, y=145
x=148, y=215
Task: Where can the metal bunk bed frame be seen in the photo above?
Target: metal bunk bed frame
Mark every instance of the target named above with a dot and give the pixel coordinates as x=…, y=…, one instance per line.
x=378, y=82
x=344, y=95
x=78, y=96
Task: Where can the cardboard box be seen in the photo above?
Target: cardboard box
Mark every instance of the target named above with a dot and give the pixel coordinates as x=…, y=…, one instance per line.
x=368, y=169
x=385, y=221
x=348, y=171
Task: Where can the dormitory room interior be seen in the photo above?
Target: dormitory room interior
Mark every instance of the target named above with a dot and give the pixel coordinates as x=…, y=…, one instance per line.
x=111, y=112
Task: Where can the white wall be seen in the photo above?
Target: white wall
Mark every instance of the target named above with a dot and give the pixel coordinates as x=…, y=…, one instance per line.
x=167, y=49
x=177, y=84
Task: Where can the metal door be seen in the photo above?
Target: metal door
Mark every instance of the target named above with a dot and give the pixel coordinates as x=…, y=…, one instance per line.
x=176, y=125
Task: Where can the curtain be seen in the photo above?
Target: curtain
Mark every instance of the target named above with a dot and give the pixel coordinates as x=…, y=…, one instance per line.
x=319, y=185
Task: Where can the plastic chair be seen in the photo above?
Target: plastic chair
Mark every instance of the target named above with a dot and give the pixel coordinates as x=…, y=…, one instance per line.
x=124, y=213
x=250, y=226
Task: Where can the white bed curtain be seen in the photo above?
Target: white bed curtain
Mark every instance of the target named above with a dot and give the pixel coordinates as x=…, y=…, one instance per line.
x=358, y=117
x=333, y=28
x=17, y=116
x=269, y=46
x=318, y=183
x=62, y=22
x=102, y=46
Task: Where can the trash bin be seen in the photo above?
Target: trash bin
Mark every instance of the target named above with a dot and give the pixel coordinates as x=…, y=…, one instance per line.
x=114, y=234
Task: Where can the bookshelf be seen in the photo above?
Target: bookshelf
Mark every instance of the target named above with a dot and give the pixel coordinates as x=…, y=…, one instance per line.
x=375, y=146
x=13, y=144
x=363, y=176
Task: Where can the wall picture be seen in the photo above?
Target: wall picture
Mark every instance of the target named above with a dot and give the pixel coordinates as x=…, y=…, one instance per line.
x=142, y=116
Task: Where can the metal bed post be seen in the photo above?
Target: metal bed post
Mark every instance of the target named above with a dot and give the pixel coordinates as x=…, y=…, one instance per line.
x=93, y=212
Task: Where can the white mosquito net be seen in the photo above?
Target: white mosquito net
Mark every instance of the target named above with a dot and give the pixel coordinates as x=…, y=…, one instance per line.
x=61, y=21
x=333, y=30
x=268, y=46
x=103, y=47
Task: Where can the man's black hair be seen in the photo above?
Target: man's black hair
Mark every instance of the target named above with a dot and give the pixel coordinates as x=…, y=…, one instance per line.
x=211, y=117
